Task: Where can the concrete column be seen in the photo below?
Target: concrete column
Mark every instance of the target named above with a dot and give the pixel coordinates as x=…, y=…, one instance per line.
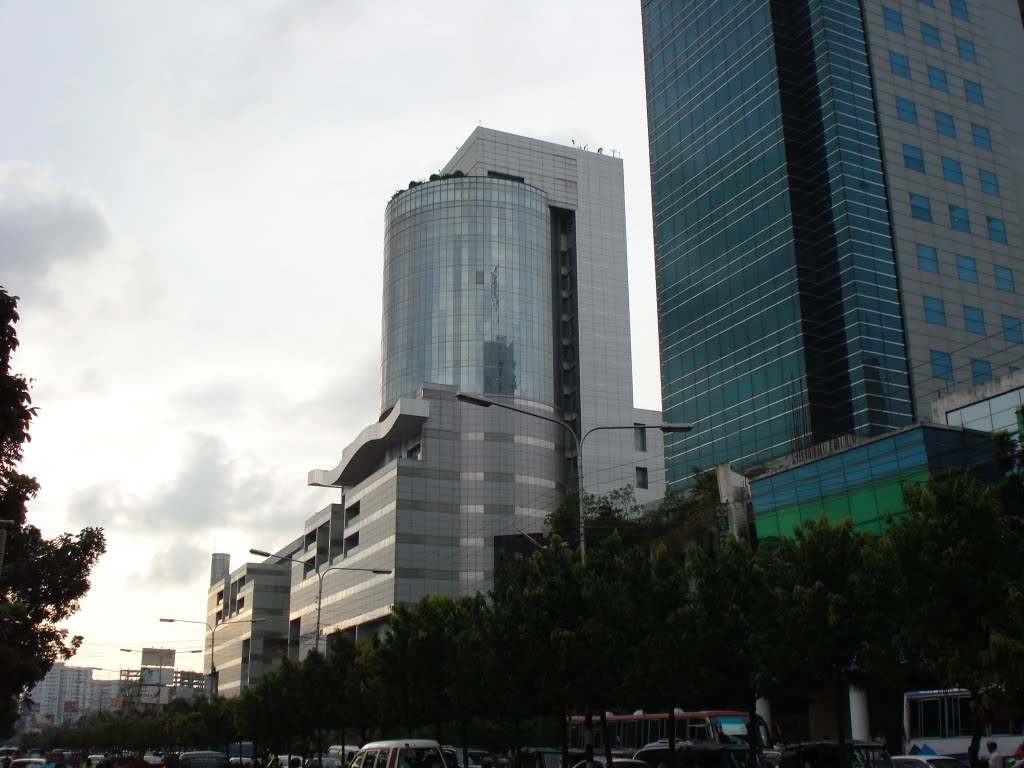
x=860, y=725
x=763, y=707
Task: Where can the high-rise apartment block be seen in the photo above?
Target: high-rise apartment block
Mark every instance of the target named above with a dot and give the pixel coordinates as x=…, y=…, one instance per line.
x=837, y=210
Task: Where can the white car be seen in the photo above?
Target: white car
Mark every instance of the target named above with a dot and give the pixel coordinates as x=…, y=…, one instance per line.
x=925, y=761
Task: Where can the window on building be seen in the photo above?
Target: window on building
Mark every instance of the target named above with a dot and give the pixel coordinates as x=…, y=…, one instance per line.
x=937, y=78
x=1011, y=330
x=639, y=438
x=974, y=93
x=959, y=9
x=893, y=20
x=920, y=207
x=934, y=310
x=927, y=258
x=906, y=109
x=996, y=229
x=913, y=157
x=951, y=170
x=944, y=124
x=899, y=64
x=981, y=371
x=959, y=218
x=966, y=49
x=928, y=2
x=1004, y=279
x=982, y=137
x=967, y=268
x=930, y=35
x=989, y=182
x=641, y=477
x=974, y=319
x=942, y=365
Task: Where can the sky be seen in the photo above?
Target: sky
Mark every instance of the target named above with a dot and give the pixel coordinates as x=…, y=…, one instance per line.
x=192, y=206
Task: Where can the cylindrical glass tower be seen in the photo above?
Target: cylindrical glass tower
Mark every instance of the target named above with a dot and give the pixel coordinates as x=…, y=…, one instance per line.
x=468, y=293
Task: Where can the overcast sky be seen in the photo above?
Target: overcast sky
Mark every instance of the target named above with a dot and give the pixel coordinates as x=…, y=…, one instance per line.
x=191, y=209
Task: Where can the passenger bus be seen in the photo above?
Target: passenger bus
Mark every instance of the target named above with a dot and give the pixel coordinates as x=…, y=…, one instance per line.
x=942, y=722
x=628, y=733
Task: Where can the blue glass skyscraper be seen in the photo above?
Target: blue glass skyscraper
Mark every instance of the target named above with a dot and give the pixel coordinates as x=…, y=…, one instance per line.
x=796, y=241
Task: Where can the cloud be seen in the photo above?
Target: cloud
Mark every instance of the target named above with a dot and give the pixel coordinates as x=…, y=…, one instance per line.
x=177, y=562
x=43, y=222
x=210, y=491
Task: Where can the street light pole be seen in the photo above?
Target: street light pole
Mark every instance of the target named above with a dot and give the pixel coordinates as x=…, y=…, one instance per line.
x=320, y=578
x=666, y=427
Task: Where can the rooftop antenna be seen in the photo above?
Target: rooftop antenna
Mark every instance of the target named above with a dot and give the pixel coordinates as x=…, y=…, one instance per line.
x=573, y=142
x=600, y=150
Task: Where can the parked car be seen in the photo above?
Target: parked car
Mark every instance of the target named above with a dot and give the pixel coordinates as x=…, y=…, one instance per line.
x=202, y=759
x=400, y=753
x=925, y=761
x=28, y=762
x=617, y=762
x=689, y=755
x=825, y=754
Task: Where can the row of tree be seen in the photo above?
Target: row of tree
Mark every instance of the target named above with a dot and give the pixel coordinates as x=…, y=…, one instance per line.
x=936, y=601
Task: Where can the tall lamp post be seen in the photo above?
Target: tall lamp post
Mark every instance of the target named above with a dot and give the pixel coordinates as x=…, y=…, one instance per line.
x=667, y=428
x=213, y=644
x=320, y=578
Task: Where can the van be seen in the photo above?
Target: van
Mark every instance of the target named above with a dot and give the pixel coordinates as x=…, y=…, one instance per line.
x=400, y=753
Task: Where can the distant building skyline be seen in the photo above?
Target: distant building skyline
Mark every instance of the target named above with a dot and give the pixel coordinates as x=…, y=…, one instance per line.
x=836, y=192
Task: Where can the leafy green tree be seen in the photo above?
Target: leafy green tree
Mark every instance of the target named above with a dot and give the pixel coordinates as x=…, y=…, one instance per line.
x=958, y=579
x=42, y=581
x=694, y=516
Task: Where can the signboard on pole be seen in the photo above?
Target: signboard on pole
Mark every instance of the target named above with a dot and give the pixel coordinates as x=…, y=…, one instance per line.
x=158, y=657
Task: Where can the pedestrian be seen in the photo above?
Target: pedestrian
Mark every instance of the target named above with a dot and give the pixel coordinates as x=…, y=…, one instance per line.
x=995, y=760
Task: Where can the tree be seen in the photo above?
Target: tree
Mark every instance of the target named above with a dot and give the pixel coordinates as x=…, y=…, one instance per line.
x=958, y=580
x=42, y=580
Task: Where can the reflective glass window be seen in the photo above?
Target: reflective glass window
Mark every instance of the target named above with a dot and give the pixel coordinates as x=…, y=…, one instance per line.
x=899, y=64
x=1011, y=329
x=934, y=310
x=974, y=319
x=959, y=218
x=942, y=365
x=920, y=207
x=641, y=477
x=974, y=93
x=1004, y=279
x=966, y=49
x=996, y=229
x=989, y=182
x=982, y=137
x=893, y=20
x=944, y=123
x=927, y=258
x=913, y=157
x=967, y=268
x=959, y=9
x=936, y=78
x=930, y=35
x=906, y=109
x=981, y=371
x=951, y=170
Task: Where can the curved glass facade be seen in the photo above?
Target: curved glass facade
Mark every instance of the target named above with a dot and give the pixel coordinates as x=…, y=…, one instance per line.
x=468, y=293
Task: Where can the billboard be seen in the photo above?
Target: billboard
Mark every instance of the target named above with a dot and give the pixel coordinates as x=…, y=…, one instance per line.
x=156, y=676
x=153, y=694
x=158, y=657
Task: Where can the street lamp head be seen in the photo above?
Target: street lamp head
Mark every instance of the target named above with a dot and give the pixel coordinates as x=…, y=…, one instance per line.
x=126, y=650
x=168, y=621
x=483, y=402
x=260, y=553
x=381, y=571
x=668, y=428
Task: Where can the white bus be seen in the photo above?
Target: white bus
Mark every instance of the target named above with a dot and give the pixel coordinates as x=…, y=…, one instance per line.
x=941, y=722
